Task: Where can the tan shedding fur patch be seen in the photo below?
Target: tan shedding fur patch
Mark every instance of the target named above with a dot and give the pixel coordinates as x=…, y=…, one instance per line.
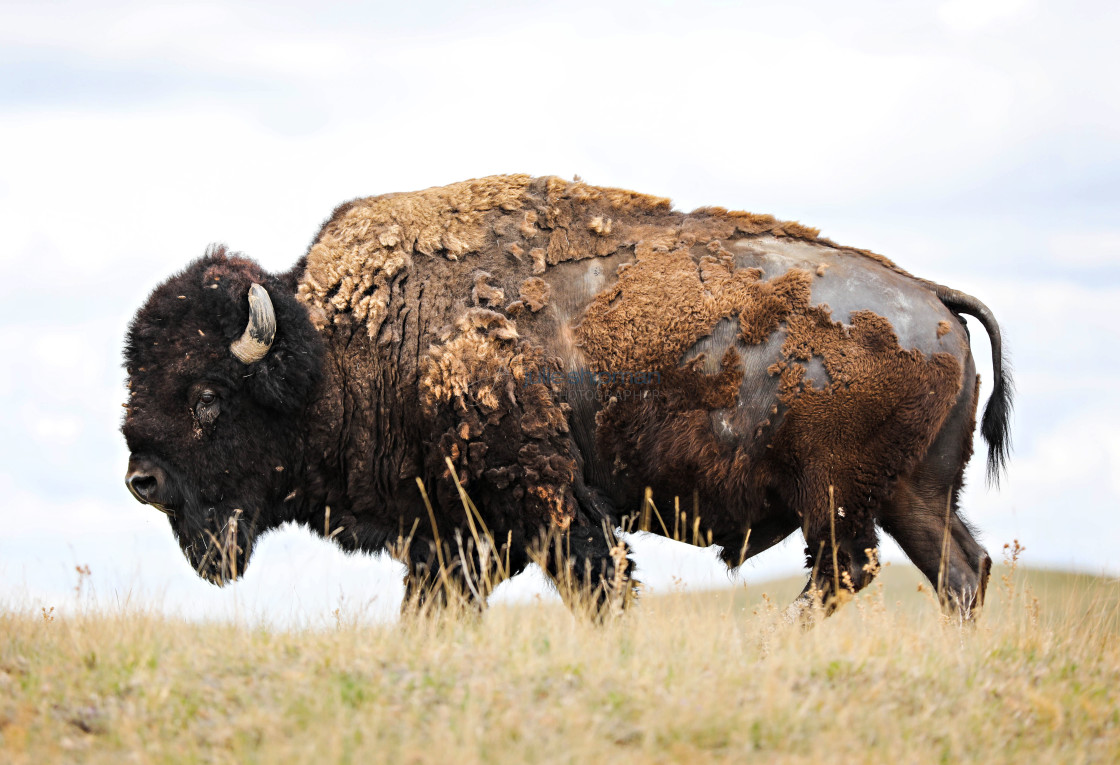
x=352, y=265
x=943, y=328
x=539, y=260
x=667, y=299
x=478, y=362
x=484, y=293
x=493, y=391
x=534, y=293
x=600, y=226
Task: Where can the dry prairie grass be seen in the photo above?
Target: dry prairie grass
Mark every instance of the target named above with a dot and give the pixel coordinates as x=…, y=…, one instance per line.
x=714, y=676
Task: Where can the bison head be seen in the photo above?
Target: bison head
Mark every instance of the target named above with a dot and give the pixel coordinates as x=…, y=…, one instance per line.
x=222, y=362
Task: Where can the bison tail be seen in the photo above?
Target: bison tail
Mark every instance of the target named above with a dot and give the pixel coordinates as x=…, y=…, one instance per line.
x=995, y=426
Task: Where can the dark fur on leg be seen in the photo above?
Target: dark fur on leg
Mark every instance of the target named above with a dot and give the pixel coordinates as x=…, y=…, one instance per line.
x=591, y=569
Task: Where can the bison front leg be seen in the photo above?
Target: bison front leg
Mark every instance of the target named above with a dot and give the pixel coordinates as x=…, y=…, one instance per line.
x=591, y=569
x=458, y=576
x=437, y=591
x=435, y=582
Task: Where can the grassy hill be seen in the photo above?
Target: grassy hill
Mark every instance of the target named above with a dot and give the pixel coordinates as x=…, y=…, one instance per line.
x=695, y=677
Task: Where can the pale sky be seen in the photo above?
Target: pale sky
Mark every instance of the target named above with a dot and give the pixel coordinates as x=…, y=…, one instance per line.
x=975, y=142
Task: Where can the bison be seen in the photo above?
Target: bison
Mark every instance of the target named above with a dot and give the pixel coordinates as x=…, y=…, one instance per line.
x=509, y=369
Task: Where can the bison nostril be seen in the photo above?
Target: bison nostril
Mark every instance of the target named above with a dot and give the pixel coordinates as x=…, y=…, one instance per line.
x=149, y=483
x=142, y=486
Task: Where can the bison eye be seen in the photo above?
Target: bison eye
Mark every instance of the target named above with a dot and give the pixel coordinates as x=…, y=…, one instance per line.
x=206, y=408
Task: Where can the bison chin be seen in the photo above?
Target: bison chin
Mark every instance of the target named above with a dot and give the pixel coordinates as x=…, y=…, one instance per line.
x=216, y=544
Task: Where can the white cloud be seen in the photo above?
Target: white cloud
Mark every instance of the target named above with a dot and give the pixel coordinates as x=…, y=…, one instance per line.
x=52, y=431
x=213, y=37
x=971, y=16
x=1073, y=456
x=1087, y=248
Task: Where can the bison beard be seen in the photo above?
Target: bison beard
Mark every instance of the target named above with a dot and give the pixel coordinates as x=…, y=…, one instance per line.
x=504, y=370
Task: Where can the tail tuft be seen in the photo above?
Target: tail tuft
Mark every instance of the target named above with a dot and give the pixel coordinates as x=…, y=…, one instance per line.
x=995, y=426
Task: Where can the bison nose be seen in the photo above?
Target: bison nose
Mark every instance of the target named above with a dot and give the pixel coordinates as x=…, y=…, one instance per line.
x=147, y=483
x=142, y=486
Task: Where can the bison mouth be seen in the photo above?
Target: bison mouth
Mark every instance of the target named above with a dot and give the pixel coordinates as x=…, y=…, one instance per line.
x=216, y=536
x=218, y=545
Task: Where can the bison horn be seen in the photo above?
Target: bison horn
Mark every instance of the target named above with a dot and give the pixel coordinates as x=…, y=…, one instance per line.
x=254, y=343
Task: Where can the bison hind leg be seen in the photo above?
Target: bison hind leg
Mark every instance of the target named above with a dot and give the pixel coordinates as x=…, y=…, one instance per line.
x=840, y=566
x=940, y=544
x=922, y=516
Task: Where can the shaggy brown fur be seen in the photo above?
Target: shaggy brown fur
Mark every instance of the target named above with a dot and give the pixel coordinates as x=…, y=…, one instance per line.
x=368, y=241
x=645, y=348
x=480, y=381
x=534, y=293
x=629, y=326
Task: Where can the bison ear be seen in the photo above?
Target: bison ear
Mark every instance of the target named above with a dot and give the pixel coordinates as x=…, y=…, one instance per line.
x=278, y=352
